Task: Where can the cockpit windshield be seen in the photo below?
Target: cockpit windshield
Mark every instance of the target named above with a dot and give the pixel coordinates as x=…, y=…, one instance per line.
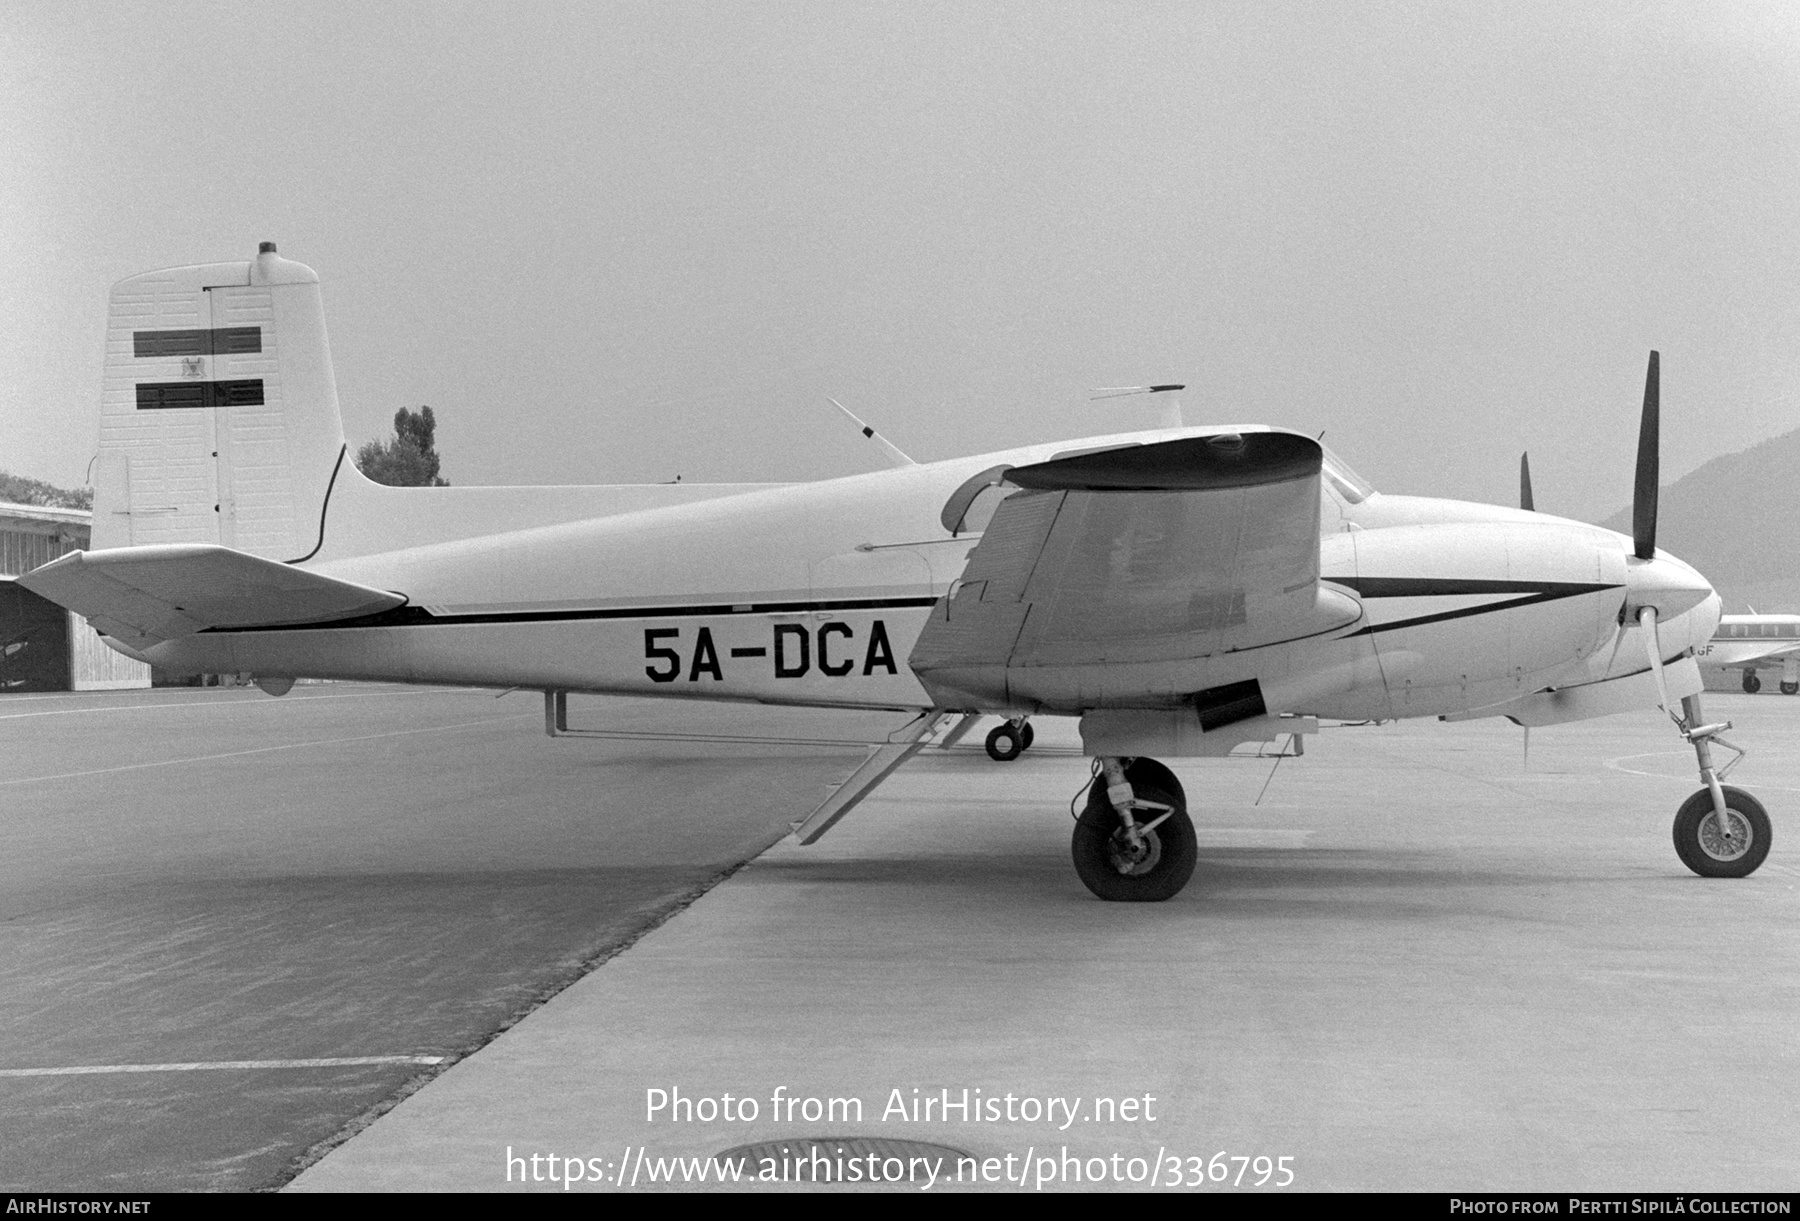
x=1349, y=485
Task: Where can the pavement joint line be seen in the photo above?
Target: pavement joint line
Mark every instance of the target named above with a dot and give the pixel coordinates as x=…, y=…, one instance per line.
x=263, y=750
x=1504, y=785
x=198, y=1066
x=217, y=703
x=1616, y=764
x=616, y=944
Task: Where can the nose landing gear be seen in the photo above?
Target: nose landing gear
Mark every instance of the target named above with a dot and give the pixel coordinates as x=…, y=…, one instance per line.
x=1721, y=831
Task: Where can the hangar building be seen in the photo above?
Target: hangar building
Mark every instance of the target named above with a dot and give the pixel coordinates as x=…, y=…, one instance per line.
x=42, y=646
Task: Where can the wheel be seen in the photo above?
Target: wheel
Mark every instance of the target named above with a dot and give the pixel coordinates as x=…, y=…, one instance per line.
x=1790, y=688
x=1108, y=865
x=1752, y=684
x=1705, y=851
x=1004, y=743
x=1027, y=735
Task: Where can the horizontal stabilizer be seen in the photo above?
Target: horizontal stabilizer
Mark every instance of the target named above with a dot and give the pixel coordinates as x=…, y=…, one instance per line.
x=143, y=595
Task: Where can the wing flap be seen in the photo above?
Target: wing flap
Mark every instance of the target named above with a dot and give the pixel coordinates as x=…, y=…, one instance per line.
x=144, y=595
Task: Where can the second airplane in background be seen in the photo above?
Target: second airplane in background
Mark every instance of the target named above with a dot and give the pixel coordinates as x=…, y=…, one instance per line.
x=1747, y=643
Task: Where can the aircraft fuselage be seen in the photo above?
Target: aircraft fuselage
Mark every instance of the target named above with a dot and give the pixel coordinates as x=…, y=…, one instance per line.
x=816, y=593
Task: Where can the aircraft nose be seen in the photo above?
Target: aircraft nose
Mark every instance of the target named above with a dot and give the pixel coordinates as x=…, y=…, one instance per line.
x=1665, y=583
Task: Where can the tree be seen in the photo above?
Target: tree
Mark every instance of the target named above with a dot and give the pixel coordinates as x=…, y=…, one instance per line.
x=410, y=459
x=20, y=490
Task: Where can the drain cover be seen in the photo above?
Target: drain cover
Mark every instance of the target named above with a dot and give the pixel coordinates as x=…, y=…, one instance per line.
x=839, y=1159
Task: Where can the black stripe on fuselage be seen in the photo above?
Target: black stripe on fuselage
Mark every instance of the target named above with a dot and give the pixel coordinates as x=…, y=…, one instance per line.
x=213, y=341
x=1445, y=587
x=1527, y=593
x=418, y=616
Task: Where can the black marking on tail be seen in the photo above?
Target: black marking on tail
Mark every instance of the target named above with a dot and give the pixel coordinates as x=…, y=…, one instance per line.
x=342, y=450
x=205, y=342
x=172, y=396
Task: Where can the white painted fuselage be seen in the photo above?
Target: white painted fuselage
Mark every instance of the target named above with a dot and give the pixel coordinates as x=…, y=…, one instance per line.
x=815, y=594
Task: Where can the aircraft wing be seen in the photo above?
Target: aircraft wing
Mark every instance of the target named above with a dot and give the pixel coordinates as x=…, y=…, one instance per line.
x=144, y=595
x=1133, y=556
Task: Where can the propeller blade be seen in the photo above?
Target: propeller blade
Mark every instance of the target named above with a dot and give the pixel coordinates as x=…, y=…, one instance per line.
x=1525, y=484
x=1643, y=500
x=1647, y=621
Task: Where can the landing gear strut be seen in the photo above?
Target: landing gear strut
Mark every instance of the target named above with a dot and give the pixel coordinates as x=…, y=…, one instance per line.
x=1134, y=843
x=1007, y=741
x=1721, y=831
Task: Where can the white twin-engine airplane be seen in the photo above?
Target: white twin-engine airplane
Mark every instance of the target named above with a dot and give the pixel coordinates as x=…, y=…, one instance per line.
x=1182, y=591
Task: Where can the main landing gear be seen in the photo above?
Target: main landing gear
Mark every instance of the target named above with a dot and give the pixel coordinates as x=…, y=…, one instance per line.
x=1752, y=684
x=1721, y=831
x=1010, y=739
x=1134, y=843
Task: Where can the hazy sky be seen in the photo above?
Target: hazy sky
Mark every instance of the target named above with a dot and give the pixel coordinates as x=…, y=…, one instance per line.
x=618, y=242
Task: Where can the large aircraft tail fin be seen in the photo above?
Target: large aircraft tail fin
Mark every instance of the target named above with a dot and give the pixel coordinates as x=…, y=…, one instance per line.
x=219, y=419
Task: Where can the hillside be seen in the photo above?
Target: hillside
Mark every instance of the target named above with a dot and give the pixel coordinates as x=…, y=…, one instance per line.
x=1737, y=519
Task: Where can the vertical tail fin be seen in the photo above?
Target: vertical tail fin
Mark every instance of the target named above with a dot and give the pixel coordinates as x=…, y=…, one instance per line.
x=219, y=418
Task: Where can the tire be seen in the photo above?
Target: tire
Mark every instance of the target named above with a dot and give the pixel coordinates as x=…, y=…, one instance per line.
x=1697, y=841
x=1027, y=735
x=1752, y=684
x=1790, y=688
x=1004, y=743
x=1098, y=847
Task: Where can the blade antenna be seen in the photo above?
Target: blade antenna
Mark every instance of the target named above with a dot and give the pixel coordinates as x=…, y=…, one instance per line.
x=1643, y=500
x=892, y=452
x=1525, y=501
